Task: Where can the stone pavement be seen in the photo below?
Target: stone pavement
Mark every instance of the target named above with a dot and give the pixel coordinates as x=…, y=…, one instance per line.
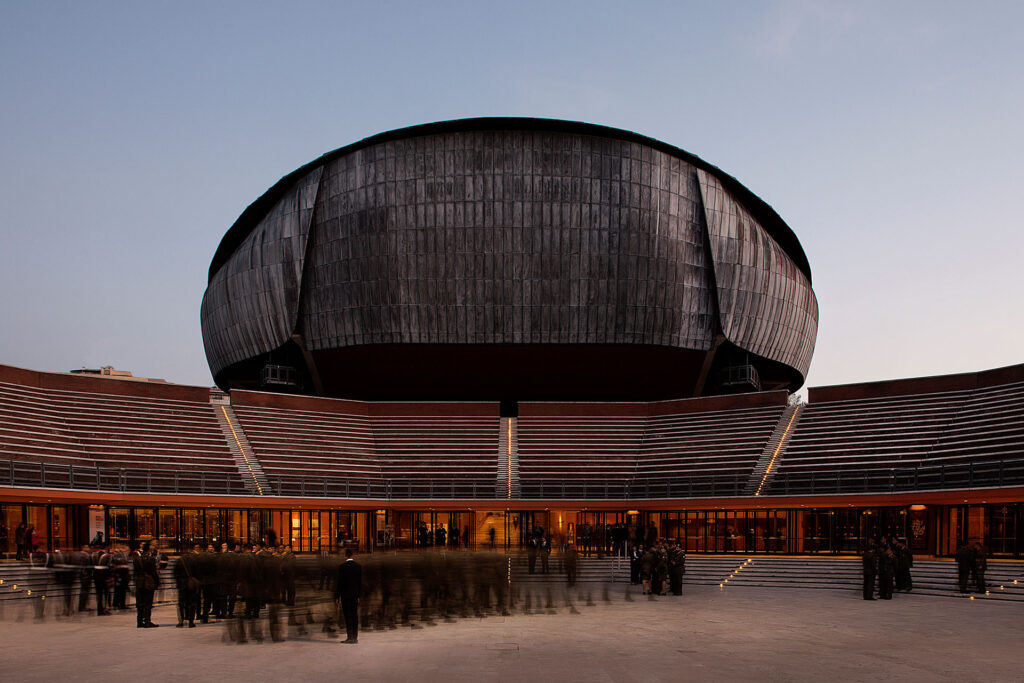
x=710, y=634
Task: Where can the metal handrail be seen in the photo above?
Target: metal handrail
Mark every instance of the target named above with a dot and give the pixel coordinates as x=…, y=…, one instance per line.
x=871, y=480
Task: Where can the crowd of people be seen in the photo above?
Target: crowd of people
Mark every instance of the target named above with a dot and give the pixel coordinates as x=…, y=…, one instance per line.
x=658, y=568
x=241, y=586
x=889, y=561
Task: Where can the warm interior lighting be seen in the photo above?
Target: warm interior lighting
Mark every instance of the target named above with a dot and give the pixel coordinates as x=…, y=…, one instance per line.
x=917, y=508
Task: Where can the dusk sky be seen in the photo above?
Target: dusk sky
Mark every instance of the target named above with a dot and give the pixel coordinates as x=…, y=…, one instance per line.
x=889, y=136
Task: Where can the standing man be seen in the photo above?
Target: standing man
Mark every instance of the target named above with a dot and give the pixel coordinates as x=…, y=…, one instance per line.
x=870, y=560
x=964, y=562
x=886, y=571
x=904, y=561
x=19, y=539
x=347, y=590
x=571, y=564
x=147, y=579
x=979, y=565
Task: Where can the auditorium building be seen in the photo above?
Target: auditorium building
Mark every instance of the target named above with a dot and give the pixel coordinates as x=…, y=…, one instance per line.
x=489, y=325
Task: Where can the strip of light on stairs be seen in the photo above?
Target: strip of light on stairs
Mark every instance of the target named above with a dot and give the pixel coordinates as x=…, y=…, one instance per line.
x=778, y=449
x=259, y=489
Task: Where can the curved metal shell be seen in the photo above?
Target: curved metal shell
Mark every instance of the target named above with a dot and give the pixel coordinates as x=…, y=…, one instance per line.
x=513, y=238
x=766, y=304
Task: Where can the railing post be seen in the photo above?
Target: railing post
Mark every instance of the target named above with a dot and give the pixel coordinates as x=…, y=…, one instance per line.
x=1001, y=470
x=42, y=473
x=970, y=474
x=942, y=476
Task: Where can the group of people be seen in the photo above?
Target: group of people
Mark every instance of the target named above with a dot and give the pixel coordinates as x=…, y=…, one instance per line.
x=971, y=563
x=658, y=567
x=888, y=561
x=211, y=581
x=26, y=539
x=440, y=537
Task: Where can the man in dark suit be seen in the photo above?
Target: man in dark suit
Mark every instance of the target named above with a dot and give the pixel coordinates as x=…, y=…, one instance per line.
x=147, y=580
x=347, y=589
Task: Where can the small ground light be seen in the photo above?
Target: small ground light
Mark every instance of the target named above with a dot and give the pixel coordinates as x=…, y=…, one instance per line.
x=29, y=593
x=14, y=587
x=721, y=585
x=986, y=592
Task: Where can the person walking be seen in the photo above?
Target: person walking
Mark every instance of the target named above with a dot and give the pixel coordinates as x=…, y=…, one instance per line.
x=347, y=590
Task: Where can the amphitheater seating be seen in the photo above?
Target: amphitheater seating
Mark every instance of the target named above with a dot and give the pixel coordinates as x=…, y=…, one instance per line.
x=989, y=428
x=708, y=443
x=290, y=443
x=869, y=433
x=595, y=447
x=308, y=444
x=151, y=435
x=438, y=447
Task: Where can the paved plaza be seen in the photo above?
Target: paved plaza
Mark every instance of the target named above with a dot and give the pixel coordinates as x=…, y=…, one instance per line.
x=709, y=634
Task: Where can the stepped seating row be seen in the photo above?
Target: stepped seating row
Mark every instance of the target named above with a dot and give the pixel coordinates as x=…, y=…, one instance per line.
x=306, y=443
x=877, y=432
x=107, y=431
x=989, y=427
x=724, y=442
x=682, y=445
x=303, y=443
x=579, y=446
x=435, y=446
x=956, y=438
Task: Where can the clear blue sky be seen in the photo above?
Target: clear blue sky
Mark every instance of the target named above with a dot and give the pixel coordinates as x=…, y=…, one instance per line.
x=888, y=135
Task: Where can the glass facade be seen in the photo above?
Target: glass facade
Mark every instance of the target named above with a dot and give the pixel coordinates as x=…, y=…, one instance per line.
x=932, y=530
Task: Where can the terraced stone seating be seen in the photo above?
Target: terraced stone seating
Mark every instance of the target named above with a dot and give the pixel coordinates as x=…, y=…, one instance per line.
x=302, y=443
x=869, y=433
x=711, y=443
x=437, y=447
x=579, y=446
x=141, y=441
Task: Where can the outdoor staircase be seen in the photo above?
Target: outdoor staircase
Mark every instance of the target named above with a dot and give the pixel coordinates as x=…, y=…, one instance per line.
x=606, y=569
x=930, y=577
x=507, y=481
x=248, y=464
x=773, y=452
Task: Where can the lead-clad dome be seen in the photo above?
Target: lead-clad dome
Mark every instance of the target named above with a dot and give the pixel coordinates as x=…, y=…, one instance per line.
x=509, y=259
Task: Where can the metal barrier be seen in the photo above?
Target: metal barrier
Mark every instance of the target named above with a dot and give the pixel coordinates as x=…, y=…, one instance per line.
x=876, y=480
